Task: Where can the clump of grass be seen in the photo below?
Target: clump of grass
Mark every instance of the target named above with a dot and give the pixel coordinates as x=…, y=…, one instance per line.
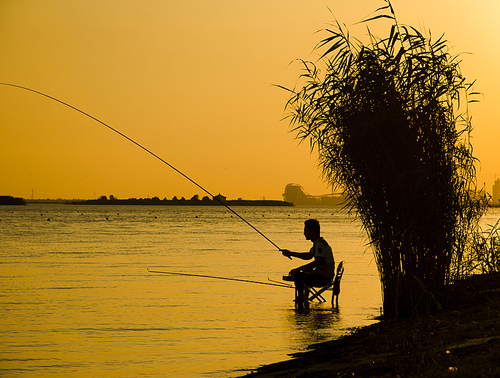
x=390, y=122
x=483, y=252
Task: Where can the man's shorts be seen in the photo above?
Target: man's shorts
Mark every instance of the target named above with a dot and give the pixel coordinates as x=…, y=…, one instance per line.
x=311, y=279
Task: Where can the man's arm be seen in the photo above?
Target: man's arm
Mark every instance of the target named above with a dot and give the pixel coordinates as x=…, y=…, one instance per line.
x=318, y=261
x=301, y=255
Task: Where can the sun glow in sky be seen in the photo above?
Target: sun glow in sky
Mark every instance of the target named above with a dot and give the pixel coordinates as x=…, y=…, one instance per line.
x=193, y=81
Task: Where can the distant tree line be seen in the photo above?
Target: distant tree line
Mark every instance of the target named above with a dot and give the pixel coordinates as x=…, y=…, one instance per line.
x=195, y=200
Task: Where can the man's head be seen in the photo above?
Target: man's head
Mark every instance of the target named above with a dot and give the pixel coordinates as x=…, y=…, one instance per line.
x=311, y=229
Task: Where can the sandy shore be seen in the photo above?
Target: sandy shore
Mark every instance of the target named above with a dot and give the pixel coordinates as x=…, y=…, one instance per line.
x=462, y=340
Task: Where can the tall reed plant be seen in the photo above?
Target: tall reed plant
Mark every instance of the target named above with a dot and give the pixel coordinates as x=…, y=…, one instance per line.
x=389, y=120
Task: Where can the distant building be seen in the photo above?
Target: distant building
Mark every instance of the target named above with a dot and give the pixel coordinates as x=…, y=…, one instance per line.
x=496, y=191
x=220, y=198
x=294, y=193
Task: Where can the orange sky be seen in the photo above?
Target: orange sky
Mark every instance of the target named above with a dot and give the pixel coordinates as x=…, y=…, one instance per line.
x=191, y=81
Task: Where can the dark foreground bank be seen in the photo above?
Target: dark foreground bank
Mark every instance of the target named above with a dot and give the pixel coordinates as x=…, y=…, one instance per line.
x=462, y=340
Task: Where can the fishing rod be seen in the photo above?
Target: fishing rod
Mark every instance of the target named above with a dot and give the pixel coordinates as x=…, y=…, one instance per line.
x=148, y=151
x=272, y=283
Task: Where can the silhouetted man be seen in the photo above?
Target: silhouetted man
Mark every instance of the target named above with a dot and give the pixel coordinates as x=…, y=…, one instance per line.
x=317, y=273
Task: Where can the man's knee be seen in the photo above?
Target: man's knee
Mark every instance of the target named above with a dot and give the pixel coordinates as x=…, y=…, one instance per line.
x=300, y=279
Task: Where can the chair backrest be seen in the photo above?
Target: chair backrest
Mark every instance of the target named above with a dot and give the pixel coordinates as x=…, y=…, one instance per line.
x=338, y=277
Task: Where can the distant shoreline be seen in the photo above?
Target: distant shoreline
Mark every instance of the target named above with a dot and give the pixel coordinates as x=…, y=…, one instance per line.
x=182, y=202
x=159, y=202
x=164, y=202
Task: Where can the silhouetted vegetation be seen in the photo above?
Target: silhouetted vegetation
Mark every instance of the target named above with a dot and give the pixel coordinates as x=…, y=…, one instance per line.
x=390, y=122
x=194, y=201
x=9, y=200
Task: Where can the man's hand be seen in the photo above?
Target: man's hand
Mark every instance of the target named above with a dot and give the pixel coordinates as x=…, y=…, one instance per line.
x=286, y=253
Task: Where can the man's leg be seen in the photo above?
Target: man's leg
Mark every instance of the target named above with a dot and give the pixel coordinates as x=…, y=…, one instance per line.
x=301, y=290
x=304, y=280
x=305, y=297
x=299, y=295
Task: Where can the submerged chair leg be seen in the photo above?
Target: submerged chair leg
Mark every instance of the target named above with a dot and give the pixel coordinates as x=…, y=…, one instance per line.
x=335, y=300
x=336, y=284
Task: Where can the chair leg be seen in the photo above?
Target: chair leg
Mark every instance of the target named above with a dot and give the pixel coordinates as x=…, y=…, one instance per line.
x=316, y=294
x=335, y=300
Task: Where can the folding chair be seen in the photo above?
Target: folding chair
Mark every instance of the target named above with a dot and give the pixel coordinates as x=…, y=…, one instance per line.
x=335, y=285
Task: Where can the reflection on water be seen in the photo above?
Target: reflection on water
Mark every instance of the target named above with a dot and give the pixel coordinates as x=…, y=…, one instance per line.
x=314, y=326
x=76, y=298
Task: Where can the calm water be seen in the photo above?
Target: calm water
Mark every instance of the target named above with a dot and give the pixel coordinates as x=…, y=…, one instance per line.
x=76, y=297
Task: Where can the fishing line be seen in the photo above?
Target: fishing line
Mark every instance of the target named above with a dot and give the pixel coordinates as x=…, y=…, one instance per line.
x=222, y=278
x=145, y=149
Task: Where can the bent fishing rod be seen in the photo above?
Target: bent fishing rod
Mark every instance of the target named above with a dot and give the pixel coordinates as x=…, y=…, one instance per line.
x=145, y=149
